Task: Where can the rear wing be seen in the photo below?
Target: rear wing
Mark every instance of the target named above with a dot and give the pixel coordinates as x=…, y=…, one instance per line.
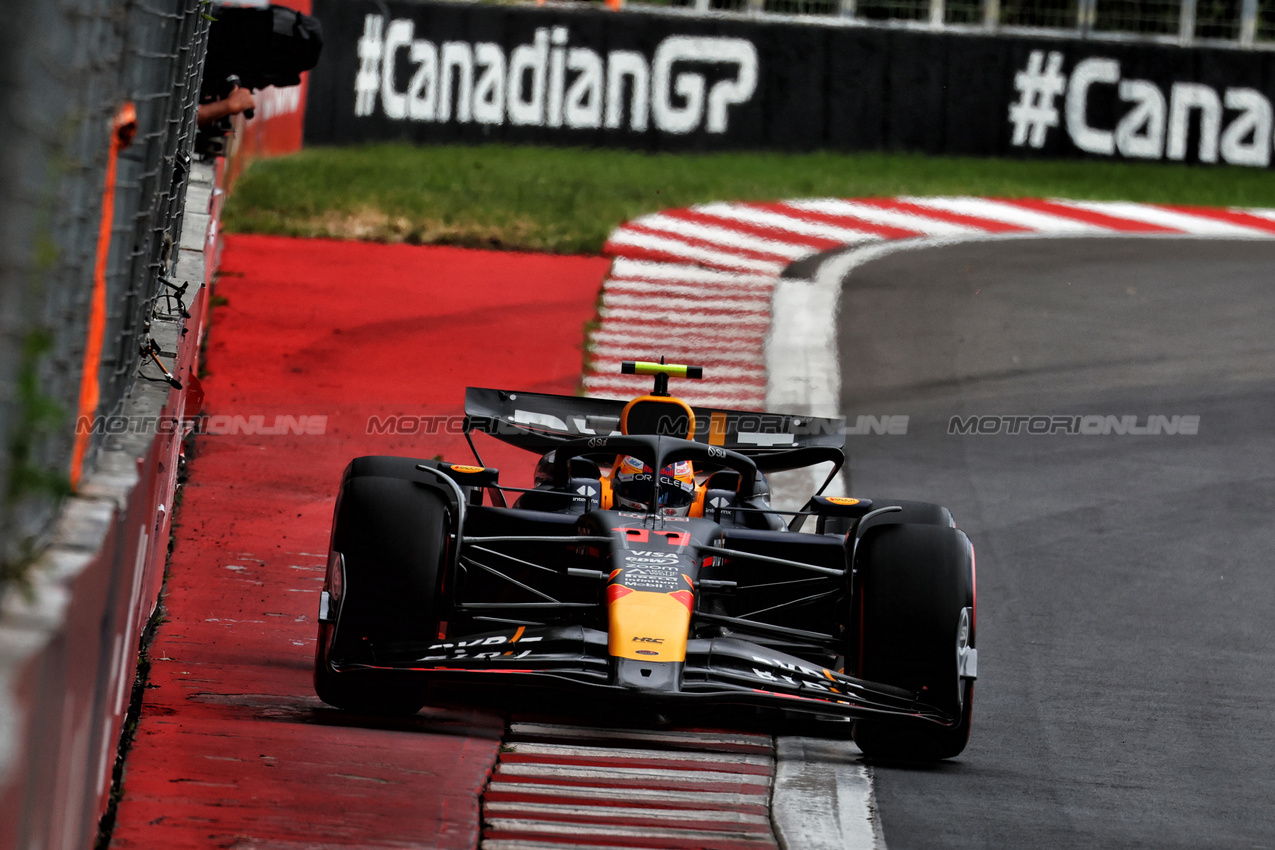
x=539, y=422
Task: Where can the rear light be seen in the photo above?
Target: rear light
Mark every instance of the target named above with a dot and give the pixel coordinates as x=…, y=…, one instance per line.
x=336, y=575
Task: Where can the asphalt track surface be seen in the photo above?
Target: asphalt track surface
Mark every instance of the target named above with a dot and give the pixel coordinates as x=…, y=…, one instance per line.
x=1125, y=594
x=233, y=749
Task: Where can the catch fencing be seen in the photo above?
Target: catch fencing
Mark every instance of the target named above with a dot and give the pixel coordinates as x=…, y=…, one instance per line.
x=1242, y=23
x=67, y=67
x=108, y=243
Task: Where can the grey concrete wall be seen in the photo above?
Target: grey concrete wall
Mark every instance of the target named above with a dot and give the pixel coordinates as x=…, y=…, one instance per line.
x=69, y=648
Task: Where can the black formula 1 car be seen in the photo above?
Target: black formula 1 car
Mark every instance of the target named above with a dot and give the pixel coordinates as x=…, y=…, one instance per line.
x=442, y=583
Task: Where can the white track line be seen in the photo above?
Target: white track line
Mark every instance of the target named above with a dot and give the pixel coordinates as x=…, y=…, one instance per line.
x=802, y=378
x=823, y=797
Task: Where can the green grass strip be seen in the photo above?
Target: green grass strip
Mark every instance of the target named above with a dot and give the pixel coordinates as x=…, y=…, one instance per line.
x=566, y=200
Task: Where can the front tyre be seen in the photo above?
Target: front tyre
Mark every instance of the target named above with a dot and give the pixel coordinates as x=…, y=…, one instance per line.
x=915, y=599
x=389, y=540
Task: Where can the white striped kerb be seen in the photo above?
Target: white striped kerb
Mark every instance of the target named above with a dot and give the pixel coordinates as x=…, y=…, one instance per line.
x=577, y=786
x=694, y=285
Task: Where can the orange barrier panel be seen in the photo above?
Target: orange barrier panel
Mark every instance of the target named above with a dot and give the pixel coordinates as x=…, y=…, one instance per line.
x=123, y=129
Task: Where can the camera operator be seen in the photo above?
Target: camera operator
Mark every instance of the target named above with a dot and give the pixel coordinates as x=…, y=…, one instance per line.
x=239, y=100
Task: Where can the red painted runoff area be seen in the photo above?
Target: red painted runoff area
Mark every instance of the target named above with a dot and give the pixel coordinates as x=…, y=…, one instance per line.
x=319, y=345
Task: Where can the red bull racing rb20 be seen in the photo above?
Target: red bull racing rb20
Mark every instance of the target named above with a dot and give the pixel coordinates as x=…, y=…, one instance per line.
x=647, y=567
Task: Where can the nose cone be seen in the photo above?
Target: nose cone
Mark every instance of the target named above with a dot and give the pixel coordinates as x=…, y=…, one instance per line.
x=649, y=626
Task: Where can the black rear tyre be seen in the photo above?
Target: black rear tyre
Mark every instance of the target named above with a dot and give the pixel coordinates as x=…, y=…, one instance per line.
x=914, y=592
x=392, y=534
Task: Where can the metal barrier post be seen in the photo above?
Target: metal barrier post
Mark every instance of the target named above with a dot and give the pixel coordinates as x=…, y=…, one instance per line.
x=991, y=14
x=1248, y=23
x=1186, y=23
x=1086, y=13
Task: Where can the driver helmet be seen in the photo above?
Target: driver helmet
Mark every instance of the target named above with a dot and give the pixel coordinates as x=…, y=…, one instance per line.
x=633, y=483
x=543, y=476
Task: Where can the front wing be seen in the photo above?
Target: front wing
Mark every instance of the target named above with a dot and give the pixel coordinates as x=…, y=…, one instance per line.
x=722, y=671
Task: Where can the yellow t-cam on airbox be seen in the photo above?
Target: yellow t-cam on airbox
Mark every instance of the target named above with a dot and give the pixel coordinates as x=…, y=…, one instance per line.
x=675, y=370
x=659, y=414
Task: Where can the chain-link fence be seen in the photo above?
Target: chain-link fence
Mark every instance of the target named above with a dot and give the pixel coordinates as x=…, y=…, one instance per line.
x=1245, y=23
x=66, y=69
